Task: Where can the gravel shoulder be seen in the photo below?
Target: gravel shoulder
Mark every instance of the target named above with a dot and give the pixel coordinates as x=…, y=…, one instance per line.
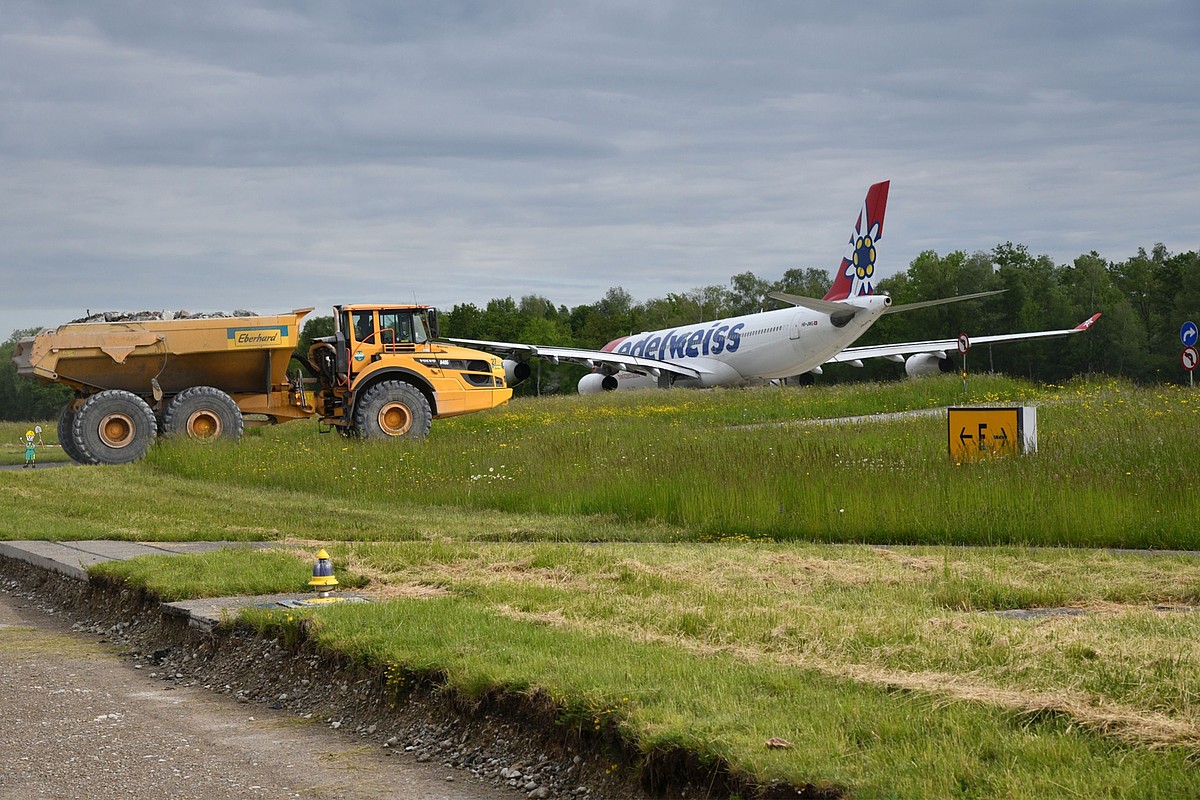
x=106, y=697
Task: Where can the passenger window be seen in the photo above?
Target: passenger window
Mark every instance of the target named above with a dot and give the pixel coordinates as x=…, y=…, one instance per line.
x=364, y=325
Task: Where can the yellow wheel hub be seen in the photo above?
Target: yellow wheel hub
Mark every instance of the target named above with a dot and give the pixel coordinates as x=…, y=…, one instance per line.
x=395, y=419
x=204, y=425
x=116, y=430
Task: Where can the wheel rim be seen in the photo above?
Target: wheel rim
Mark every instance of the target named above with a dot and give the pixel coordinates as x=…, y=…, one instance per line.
x=395, y=419
x=204, y=424
x=116, y=430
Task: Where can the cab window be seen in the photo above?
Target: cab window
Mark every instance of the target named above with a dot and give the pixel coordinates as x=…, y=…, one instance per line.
x=396, y=327
x=420, y=331
x=364, y=325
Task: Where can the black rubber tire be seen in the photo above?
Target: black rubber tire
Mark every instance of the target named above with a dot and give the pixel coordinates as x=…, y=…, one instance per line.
x=66, y=421
x=392, y=410
x=204, y=414
x=113, y=427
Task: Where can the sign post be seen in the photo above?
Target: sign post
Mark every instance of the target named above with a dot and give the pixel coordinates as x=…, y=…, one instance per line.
x=1188, y=334
x=964, y=344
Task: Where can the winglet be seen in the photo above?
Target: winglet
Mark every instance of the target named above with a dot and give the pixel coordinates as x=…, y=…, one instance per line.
x=1087, y=323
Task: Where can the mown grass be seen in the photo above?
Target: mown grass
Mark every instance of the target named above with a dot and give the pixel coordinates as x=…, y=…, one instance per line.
x=12, y=443
x=1115, y=467
x=885, y=667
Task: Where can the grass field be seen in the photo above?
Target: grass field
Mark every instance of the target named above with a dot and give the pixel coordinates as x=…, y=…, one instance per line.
x=1115, y=468
x=708, y=570
x=12, y=443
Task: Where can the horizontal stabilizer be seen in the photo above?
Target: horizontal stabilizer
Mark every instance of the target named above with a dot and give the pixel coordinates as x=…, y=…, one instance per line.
x=839, y=313
x=941, y=302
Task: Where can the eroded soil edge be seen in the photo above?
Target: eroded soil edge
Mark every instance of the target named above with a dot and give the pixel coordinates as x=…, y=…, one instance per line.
x=513, y=742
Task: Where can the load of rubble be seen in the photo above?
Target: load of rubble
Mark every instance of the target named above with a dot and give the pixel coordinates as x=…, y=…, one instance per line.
x=144, y=316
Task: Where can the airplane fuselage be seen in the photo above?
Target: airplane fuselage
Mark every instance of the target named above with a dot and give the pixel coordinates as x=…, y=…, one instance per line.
x=750, y=348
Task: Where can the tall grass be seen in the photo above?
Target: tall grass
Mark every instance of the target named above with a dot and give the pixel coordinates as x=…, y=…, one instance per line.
x=1115, y=465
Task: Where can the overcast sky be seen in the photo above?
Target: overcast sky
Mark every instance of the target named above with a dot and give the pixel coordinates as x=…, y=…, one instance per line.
x=273, y=155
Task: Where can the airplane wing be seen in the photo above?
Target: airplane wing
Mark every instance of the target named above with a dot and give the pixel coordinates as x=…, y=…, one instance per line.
x=896, y=352
x=617, y=362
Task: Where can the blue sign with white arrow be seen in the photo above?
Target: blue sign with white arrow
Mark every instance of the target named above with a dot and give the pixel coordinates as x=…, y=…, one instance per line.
x=1188, y=334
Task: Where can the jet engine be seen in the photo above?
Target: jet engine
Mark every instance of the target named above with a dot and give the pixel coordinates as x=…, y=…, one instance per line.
x=597, y=382
x=515, y=371
x=923, y=365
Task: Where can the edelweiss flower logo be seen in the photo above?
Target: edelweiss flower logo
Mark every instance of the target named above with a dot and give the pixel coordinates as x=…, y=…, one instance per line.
x=860, y=265
x=864, y=257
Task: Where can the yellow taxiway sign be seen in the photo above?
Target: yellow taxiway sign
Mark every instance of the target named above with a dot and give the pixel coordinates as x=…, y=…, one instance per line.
x=974, y=433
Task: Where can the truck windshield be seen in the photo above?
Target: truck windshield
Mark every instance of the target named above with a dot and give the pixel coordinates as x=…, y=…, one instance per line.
x=420, y=328
x=396, y=327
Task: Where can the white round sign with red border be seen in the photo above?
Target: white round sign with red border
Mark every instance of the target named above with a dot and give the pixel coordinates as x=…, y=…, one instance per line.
x=964, y=343
x=1189, y=358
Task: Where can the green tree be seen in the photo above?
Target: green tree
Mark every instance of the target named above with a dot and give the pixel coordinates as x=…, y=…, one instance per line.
x=808, y=282
x=22, y=398
x=314, y=328
x=464, y=321
x=610, y=318
x=501, y=320
x=1118, y=343
x=748, y=294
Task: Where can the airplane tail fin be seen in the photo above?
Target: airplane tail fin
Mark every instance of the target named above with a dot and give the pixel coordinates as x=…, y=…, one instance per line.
x=856, y=275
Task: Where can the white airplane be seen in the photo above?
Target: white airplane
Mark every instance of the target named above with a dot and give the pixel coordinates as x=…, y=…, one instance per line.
x=769, y=345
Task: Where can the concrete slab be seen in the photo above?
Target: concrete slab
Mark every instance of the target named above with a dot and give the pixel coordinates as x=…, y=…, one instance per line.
x=208, y=612
x=73, y=558
x=52, y=556
x=111, y=550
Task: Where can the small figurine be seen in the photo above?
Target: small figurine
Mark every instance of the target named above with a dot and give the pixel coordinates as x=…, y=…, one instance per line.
x=30, y=449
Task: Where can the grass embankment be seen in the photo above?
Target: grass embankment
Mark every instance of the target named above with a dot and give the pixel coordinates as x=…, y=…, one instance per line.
x=684, y=625
x=886, y=668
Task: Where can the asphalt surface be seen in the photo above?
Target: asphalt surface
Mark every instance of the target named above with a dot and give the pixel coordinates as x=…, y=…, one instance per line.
x=81, y=722
x=40, y=465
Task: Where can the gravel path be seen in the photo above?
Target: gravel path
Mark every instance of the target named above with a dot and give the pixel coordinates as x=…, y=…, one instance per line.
x=81, y=723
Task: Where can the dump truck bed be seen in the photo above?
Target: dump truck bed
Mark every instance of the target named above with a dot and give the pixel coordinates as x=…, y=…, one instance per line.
x=246, y=357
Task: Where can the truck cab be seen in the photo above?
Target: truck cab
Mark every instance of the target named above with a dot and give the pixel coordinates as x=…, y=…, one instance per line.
x=383, y=373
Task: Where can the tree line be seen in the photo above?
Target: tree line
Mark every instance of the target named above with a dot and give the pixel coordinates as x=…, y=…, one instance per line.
x=1145, y=299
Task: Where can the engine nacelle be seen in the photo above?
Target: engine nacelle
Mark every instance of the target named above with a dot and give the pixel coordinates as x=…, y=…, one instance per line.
x=515, y=371
x=597, y=382
x=923, y=365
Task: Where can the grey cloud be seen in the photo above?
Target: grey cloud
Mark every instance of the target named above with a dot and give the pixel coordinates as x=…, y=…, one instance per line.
x=229, y=153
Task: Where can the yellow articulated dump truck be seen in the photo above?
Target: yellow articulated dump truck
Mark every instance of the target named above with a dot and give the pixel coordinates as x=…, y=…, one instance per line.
x=383, y=374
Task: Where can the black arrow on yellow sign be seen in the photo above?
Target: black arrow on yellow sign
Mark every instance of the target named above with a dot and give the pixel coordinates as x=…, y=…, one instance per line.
x=981, y=439
x=984, y=431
